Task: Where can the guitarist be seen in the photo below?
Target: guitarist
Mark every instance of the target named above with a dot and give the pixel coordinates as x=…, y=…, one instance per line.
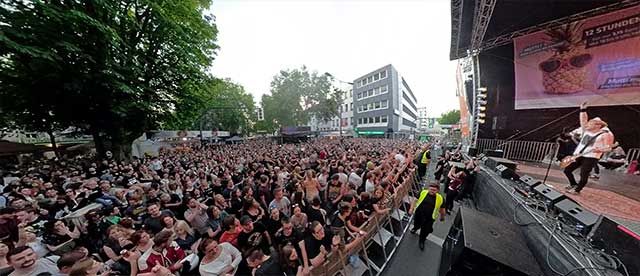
x=596, y=138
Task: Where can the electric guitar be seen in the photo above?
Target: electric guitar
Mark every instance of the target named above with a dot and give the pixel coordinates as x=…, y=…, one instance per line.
x=572, y=158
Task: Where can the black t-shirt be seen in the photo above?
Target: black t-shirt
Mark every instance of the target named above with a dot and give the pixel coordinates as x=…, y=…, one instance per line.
x=281, y=240
x=273, y=225
x=312, y=245
x=254, y=239
x=155, y=224
x=270, y=267
x=315, y=215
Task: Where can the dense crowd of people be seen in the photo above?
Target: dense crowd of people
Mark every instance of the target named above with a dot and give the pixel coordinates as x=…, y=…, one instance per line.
x=258, y=208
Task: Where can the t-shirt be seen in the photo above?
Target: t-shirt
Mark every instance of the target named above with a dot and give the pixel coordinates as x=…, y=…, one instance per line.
x=42, y=265
x=270, y=267
x=155, y=224
x=293, y=239
x=254, y=239
x=230, y=256
x=283, y=205
x=312, y=245
x=355, y=179
x=199, y=221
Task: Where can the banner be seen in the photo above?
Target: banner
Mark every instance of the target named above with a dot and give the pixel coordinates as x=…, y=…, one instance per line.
x=595, y=60
x=464, y=111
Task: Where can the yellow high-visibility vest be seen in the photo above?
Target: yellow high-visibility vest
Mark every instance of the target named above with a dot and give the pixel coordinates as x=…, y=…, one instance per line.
x=436, y=209
x=424, y=157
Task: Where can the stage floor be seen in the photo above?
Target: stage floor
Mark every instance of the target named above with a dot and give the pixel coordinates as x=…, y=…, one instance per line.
x=614, y=194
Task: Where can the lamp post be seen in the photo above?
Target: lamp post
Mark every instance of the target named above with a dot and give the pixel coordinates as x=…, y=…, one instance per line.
x=340, y=98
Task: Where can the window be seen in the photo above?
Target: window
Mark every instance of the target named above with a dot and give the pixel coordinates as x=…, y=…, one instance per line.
x=384, y=89
x=383, y=74
x=383, y=119
x=377, y=119
x=346, y=107
x=351, y=106
x=353, y=120
x=376, y=77
x=370, y=79
x=384, y=104
x=359, y=121
x=377, y=105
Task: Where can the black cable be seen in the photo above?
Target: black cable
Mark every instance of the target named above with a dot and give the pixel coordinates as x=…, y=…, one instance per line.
x=515, y=217
x=549, y=249
x=586, y=268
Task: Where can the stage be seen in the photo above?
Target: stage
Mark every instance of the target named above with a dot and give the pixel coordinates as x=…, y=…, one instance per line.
x=615, y=194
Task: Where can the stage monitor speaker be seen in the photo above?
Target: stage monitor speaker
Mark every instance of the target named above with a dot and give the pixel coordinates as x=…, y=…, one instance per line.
x=507, y=173
x=472, y=151
x=582, y=219
x=619, y=241
x=493, y=162
x=495, y=153
x=530, y=181
x=481, y=244
x=550, y=195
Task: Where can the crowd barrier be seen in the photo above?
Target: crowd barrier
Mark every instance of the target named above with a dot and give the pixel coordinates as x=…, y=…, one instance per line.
x=520, y=150
x=633, y=154
x=384, y=232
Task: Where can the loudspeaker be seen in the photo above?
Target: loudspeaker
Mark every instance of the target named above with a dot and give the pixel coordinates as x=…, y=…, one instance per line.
x=493, y=162
x=495, y=153
x=481, y=244
x=530, y=181
x=507, y=173
x=472, y=151
x=550, y=195
x=574, y=214
x=619, y=241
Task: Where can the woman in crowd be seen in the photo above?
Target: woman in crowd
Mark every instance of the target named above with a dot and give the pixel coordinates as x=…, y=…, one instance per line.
x=219, y=258
x=311, y=185
x=299, y=219
x=184, y=236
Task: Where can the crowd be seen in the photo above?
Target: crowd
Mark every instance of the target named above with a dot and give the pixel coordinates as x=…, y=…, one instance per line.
x=257, y=208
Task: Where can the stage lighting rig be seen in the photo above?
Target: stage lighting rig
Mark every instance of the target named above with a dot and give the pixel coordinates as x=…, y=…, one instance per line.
x=481, y=104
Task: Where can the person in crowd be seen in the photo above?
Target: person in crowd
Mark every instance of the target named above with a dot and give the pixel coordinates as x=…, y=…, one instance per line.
x=196, y=215
x=164, y=252
x=219, y=258
x=263, y=264
x=25, y=262
x=427, y=207
x=5, y=267
x=299, y=218
x=280, y=202
x=289, y=261
x=184, y=236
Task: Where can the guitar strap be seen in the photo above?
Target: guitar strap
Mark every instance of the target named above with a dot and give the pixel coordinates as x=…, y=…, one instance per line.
x=590, y=141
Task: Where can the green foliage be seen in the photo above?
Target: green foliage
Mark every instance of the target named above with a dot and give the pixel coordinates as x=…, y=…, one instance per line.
x=218, y=104
x=113, y=67
x=451, y=117
x=298, y=94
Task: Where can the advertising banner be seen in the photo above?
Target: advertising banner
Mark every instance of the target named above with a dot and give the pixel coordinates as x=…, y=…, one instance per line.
x=595, y=60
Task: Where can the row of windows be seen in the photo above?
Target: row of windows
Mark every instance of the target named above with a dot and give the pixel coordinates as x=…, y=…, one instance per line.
x=408, y=111
x=373, y=120
x=408, y=123
x=345, y=107
x=373, y=78
x=373, y=92
x=373, y=106
x=406, y=98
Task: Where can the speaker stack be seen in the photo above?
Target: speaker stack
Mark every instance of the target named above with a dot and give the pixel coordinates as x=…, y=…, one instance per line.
x=481, y=244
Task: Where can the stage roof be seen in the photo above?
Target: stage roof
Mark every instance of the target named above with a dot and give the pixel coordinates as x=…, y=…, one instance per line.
x=510, y=16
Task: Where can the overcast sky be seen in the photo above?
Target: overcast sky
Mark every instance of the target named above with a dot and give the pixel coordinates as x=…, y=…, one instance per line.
x=347, y=38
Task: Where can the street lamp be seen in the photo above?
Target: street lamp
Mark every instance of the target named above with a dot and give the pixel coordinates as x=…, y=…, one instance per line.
x=340, y=99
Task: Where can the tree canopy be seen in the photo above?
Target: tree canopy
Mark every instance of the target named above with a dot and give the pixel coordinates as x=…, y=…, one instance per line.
x=451, y=117
x=113, y=67
x=298, y=94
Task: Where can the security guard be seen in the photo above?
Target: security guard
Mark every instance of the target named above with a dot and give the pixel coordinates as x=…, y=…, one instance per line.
x=423, y=161
x=428, y=206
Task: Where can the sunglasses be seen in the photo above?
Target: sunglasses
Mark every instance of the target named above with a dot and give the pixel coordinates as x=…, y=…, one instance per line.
x=576, y=61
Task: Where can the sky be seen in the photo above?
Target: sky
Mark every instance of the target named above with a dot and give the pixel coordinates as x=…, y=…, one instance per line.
x=347, y=38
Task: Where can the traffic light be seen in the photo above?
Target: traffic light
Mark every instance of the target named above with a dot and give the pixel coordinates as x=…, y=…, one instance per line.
x=481, y=103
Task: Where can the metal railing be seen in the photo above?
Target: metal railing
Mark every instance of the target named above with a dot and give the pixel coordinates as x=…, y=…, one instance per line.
x=520, y=150
x=336, y=262
x=633, y=154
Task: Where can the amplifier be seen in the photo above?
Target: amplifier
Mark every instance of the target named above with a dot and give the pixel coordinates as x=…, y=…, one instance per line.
x=506, y=172
x=582, y=219
x=550, y=195
x=530, y=181
x=493, y=162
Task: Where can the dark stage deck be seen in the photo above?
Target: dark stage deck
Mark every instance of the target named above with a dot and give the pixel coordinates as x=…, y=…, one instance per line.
x=615, y=194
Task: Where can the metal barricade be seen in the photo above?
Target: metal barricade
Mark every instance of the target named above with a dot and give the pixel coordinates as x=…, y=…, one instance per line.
x=520, y=150
x=336, y=262
x=633, y=154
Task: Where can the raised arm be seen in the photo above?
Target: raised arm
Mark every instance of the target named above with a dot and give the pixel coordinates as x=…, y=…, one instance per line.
x=584, y=118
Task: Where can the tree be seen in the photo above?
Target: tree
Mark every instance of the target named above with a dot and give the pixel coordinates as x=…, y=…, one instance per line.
x=114, y=68
x=219, y=104
x=298, y=94
x=451, y=117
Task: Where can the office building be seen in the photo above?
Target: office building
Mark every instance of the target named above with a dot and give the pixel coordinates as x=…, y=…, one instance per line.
x=384, y=105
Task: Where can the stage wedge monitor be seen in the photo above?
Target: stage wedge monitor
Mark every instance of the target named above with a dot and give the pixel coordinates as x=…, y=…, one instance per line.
x=549, y=195
x=481, y=244
x=493, y=162
x=530, y=181
x=506, y=172
x=582, y=219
